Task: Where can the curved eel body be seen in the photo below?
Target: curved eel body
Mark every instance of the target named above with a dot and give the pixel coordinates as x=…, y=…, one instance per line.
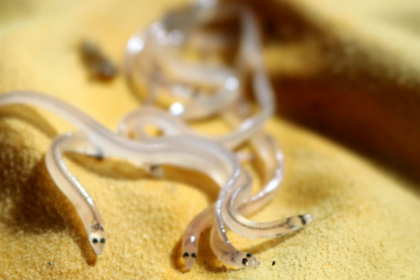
x=188, y=152
x=181, y=146
x=232, y=201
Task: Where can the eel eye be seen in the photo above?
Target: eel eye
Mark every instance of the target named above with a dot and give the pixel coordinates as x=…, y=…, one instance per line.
x=95, y=240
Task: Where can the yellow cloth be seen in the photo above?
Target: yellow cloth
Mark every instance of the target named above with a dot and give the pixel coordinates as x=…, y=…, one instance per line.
x=367, y=224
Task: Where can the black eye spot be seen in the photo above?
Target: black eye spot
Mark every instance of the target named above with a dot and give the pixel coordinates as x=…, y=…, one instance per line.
x=248, y=255
x=302, y=218
x=273, y=263
x=103, y=240
x=95, y=240
x=185, y=255
x=244, y=261
x=194, y=255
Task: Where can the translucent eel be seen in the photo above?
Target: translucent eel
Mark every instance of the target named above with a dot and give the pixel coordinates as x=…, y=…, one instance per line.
x=226, y=252
x=225, y=205
x=151, y=52
x=175, y=28
x=134, y=127
x=188, y=152
x=267, y=150
x=248, y=56
x=252, y=49
x=239, y=135
x=71, y=187
x=233, y=216
x=138, y=53
x=261, y=86
x=168, y=58
x=272, y=157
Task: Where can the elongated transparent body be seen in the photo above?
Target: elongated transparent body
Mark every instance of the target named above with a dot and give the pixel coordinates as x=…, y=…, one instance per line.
x=188, y=152
x=138, y=53
x=260, y=83
x=229, y=198
x=153, y=52
x=266, y=149
x=71, y=187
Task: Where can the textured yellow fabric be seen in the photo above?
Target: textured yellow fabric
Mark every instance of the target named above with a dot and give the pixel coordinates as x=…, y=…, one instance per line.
x=367, y=224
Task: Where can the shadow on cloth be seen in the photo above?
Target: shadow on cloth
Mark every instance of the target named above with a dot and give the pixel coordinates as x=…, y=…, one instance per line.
x=36, y=206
